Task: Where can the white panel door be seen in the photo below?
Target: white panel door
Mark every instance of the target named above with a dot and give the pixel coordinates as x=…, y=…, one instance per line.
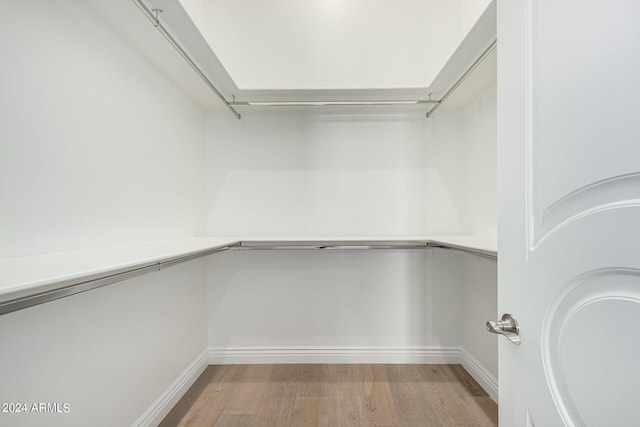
x=569, y=211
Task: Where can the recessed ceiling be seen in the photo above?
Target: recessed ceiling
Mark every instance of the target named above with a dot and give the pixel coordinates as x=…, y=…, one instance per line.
x=333, y=44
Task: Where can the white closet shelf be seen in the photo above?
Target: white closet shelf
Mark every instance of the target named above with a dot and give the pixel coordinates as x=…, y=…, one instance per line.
x=22, y=277
x=487, y=245
x=197, y=71
x=31, y=280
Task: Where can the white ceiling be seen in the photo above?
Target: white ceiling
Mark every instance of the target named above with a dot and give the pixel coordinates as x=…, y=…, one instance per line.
x=333, y=44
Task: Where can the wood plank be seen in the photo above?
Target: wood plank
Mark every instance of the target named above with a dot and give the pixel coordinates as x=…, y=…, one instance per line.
x=462, y=377
x=487, y=411
x=379, y=405
x=186, y=402
x=310, y=411
x=344, y=404
x=232, y=420
x=413, y=404
x=207, y=409
x=473, y=397
x=354, y=396
x=313, y=380
x=279, y=397
x=248, y=394
x=445, y=395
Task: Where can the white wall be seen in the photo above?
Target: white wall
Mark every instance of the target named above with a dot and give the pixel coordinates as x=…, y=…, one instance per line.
x=342, y=173
x=310, y=299
x=108, y=353
x=331, y=172
x=473, y=280
x=334, y=173
x=479, y=275
x=96, y=146
x=480, y=215
x=479, y=304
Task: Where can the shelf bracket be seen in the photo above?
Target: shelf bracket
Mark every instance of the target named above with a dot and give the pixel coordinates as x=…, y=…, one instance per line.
x=156, y=12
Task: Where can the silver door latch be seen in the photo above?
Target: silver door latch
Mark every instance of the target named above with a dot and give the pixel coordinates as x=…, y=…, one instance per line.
x=508, y=327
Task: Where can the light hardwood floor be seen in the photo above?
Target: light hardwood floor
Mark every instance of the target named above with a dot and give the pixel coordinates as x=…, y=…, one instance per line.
x=334, y=396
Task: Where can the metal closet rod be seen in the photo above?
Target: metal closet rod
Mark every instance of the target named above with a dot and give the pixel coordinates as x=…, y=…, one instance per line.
x=360, y=245
x=330, y=103
x=436, y=102
x=152, y=15
x=330, y=245
x=75, y=286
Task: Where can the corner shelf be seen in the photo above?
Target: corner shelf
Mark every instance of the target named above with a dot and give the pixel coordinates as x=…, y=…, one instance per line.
x=142, y=34
x=32, y=280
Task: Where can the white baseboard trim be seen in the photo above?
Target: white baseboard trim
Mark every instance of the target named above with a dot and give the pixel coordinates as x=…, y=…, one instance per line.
x=479, y=373
x=261, y=355
x=163, y=405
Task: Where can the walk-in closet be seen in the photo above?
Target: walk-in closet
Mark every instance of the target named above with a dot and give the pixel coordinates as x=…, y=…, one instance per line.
x=296, y=206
